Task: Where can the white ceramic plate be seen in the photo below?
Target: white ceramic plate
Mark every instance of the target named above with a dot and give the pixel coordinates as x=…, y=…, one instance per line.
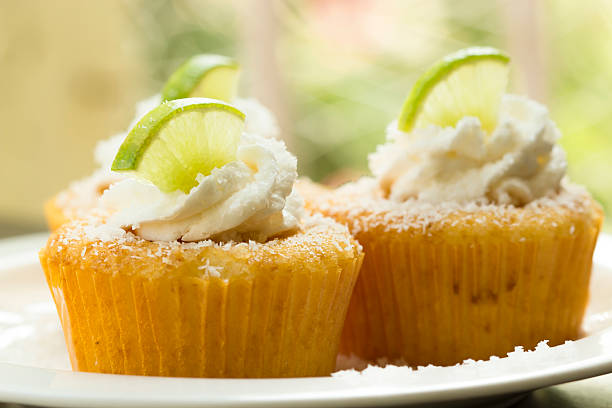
x=34, y=366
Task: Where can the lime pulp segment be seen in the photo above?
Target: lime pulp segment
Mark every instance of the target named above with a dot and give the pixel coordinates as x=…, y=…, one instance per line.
x=469, y=82
x=205, y=75
x=180, y=139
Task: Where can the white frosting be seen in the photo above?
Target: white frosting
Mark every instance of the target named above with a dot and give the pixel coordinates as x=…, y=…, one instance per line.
x=259, y=120
x=106, y=149
x=517, y=163
x=83, y=195
x=250, y=198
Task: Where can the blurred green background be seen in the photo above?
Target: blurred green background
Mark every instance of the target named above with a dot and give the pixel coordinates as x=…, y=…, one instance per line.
x=335, y=72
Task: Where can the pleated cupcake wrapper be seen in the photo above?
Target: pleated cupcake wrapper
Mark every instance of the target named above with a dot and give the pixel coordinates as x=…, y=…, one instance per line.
x=285, y=324
x=441, y=301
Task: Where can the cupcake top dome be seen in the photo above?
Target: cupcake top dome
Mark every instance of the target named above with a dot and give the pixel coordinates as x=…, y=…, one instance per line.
x=461, y=139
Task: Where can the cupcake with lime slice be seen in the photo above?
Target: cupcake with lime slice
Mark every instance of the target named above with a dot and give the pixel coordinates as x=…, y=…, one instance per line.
x=475, y=240
x=201, y=262
x=204, y=75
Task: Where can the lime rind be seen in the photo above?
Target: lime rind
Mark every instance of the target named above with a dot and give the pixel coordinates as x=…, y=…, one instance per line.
x=442, y=95
x=204, y=75
x=180, y=139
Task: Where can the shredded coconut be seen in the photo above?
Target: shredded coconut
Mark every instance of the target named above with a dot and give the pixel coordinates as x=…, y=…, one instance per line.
x=115, y=244
x=362, y=205
x=541, y=357
x=214, y=271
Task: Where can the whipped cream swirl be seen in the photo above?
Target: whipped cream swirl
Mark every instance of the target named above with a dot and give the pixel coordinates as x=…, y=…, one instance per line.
x=258, y=120
x=515, y=164
x=249, y=198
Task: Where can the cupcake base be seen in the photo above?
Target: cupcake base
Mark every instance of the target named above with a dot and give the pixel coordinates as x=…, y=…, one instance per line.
x=130, y=306
x=443, y=284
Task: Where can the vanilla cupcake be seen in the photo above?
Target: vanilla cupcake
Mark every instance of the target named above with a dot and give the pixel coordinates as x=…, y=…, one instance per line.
x=228, y=279
x=474, y=241
x=83, y=195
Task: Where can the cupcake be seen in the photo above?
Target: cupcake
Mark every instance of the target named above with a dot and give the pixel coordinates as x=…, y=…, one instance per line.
x=204, y=75
x=475, y=241
x=202, y=267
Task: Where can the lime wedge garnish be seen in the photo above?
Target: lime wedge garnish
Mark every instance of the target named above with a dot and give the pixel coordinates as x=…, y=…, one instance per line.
x=205, y=75
x=180, y=139
x=469, y=82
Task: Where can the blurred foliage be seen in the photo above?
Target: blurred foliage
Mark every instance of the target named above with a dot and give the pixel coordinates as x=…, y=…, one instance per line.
x=349, y=64
x=580, y=83
x=172, y=31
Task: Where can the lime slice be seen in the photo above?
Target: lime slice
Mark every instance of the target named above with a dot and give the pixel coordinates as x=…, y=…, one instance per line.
x=469, y=82
x=180, y=139
x=205, y=75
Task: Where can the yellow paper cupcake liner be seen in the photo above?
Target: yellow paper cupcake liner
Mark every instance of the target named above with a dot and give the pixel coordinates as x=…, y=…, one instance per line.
x=273, y=311
x=443, y=303
x=441, y=288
